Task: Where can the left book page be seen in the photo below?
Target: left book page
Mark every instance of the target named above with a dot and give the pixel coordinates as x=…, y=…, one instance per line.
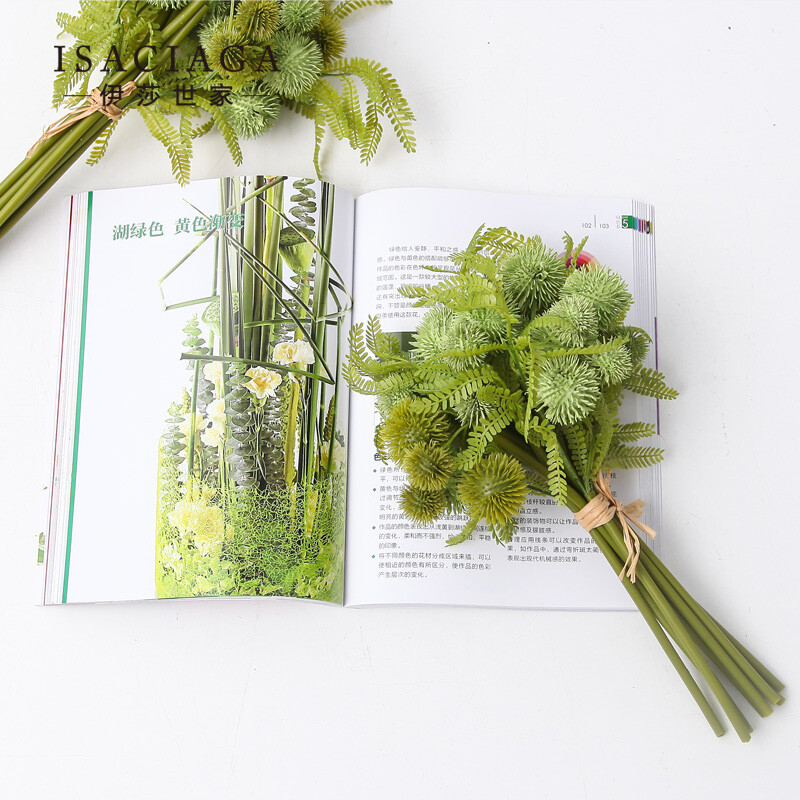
x=200, y=434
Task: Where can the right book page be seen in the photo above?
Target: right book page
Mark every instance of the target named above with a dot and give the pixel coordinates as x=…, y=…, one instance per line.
x=552, y=562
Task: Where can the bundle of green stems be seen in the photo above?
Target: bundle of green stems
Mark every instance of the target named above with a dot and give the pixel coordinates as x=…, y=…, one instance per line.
x=672, y=614
x=53, y=156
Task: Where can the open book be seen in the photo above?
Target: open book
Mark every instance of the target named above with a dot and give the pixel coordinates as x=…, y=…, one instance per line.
x=205, y=441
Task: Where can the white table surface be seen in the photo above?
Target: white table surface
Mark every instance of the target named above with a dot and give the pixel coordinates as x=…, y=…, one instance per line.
x=693, y=107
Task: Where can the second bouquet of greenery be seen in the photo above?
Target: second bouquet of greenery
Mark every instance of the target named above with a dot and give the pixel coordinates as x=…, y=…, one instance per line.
x=251, y=462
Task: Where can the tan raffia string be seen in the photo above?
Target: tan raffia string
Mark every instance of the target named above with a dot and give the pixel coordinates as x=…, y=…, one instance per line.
x=94, y=102
x=603, y=507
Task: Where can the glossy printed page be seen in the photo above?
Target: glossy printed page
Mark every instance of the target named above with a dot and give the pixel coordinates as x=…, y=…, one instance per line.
x=210, y=430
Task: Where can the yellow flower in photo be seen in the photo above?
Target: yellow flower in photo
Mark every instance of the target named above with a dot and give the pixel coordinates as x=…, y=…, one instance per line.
x=337, y=460
x=215, y=411
x=210, y=529
x=213, y=372
x=202, y=524
x=263, y=382
x=296, y=353
x=199, y=423
x=213, y=436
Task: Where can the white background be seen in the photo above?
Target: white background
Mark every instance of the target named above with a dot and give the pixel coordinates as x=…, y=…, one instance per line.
x=690, y=106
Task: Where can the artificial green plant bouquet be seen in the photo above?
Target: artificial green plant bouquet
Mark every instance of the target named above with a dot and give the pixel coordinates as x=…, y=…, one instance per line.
x=513, y=385
x=190, y=67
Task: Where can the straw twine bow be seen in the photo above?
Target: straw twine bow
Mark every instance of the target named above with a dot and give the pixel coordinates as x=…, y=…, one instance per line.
x=602, y=508
x=94, y=102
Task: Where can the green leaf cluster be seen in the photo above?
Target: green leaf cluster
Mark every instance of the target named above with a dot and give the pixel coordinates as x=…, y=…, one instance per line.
x=267, y=55
x=518, y=347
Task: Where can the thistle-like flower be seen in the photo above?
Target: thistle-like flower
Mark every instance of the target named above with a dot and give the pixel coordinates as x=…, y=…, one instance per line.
x=490, y=322
x=532, y=276
x=404, y=428
x=613, y=366
x=300, y=16
x=421, y=506
x=494, y=489
x=464, y=335
x=329, y=35
x=581, y=317
x=384, y=403
x=252, y=113
x=605, y=290
x=226, y=48
x=568, y=389
x=429, y=466
x=258, y=19
x=432, y=332
x=299, y=63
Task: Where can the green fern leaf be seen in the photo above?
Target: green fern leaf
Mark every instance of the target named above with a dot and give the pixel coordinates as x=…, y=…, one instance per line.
x=101, y=142
x=627, y=457
x=344, y=9
x=466, y=532
x=633, y=431
x=650, y=383
x=578, y=445
x=384, y=92
x=480, y=437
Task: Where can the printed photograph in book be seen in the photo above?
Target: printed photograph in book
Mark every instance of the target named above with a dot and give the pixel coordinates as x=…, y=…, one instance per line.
x=251, y=460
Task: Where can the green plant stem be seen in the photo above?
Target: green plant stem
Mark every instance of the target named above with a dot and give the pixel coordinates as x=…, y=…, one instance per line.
x=676, y=613
x=649, y=613
x=272, y=263
x=761, y=677
x=33, y=176
x=318, y=331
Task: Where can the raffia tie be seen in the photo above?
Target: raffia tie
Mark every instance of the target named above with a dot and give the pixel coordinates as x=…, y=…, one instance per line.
x=603, y=507
x=94, y=102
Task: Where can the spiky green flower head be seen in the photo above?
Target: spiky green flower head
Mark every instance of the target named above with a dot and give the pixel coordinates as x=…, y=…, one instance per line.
x=300, y=16
x=432, y=332
x=494, y=489
x=532, y=276
x=605, y=290
x=228, y=51
x=490, y=322
x=330, y=36
x=299, y=62
x=429, y=466
x=463, y=336
x=581, y=319
x=168, y=3
x=253, y=111
x=421, y=506
x=384, y=403
x=258, y=19
x=568, y=389
x=403, y=428
x=614, y=366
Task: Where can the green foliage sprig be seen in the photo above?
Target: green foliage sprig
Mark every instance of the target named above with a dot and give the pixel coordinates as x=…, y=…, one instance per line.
x=226, y=65
x=519, y=343
x=513, y=385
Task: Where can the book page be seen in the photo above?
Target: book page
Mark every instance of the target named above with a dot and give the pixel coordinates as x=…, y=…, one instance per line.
x=205, y=433
x=552, y=562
